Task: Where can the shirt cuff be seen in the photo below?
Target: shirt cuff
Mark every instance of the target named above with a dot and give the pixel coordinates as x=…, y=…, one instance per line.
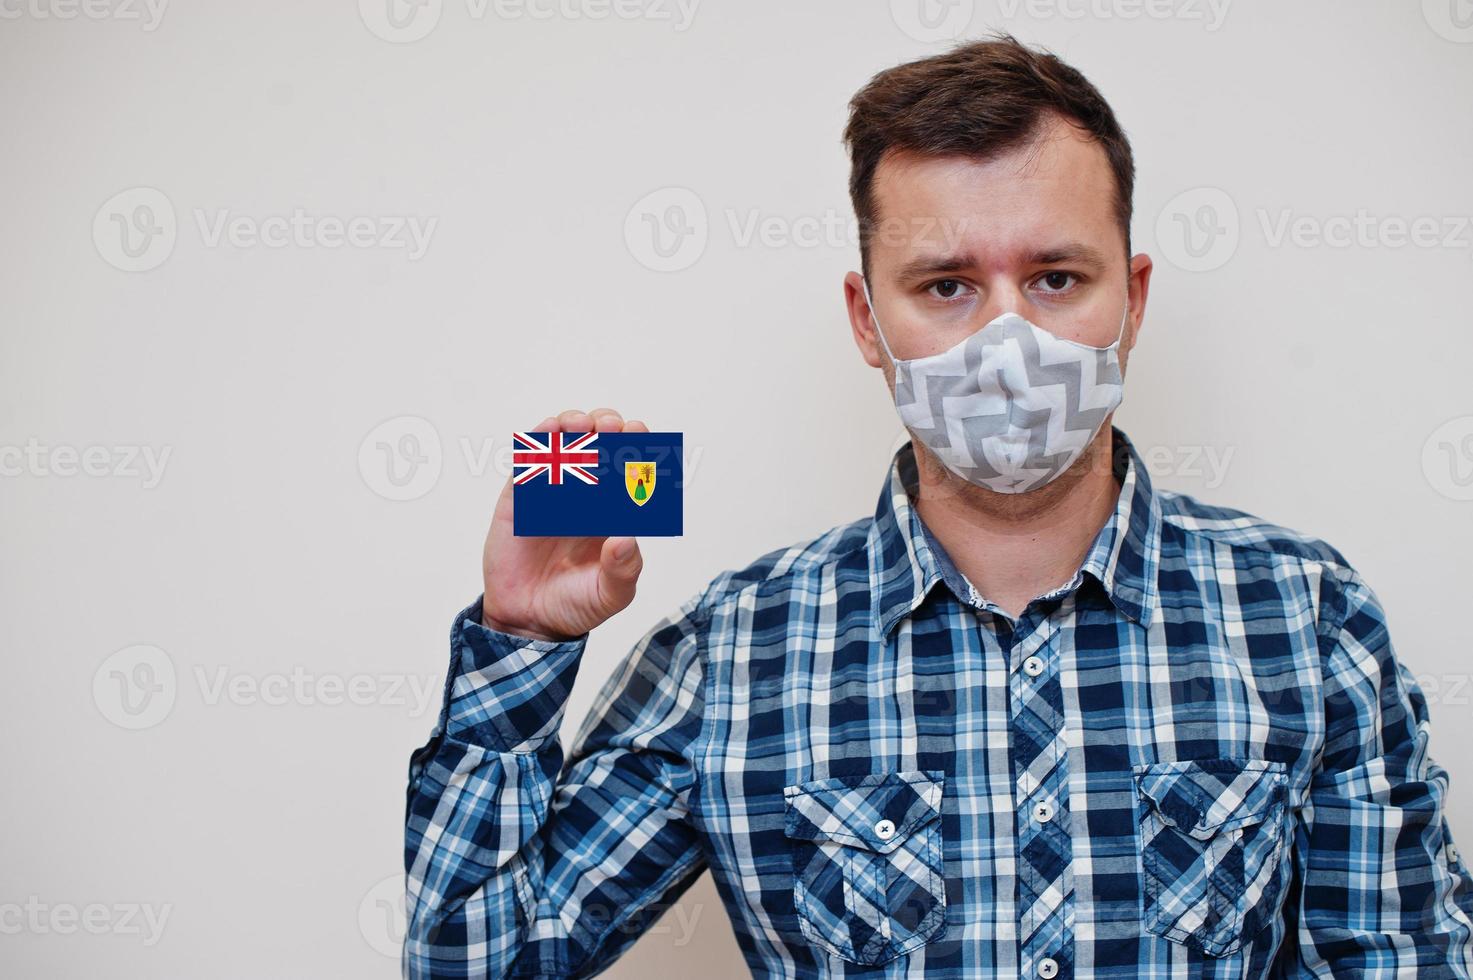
x=504, y=692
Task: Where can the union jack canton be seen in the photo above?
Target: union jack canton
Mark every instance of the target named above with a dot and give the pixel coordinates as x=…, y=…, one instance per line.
x=553, y=455
x=1198, y=758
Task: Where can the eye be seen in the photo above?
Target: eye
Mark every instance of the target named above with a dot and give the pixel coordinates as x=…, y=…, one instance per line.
x=946, y=288
x=1057, y=282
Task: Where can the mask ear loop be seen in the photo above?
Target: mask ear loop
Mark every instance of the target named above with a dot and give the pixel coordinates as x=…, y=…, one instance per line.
x=1113, y=345
x=878, y=332
x=1120, y=334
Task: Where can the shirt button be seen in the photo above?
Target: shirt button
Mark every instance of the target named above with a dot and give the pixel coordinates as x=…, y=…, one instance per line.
x=1048, y=968
x=884, y=830
x=1043, y=812
x=1452, y=853
x=1033, y=666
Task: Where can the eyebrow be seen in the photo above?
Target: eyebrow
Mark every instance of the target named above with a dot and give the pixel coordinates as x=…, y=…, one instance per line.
x=1069, y=252
x=930, y=265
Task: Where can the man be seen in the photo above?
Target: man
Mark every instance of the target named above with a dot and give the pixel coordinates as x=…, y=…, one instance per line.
x=1034, y=717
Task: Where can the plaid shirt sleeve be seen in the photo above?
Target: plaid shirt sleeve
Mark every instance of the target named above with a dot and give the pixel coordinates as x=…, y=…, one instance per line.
x=1381, y=890
x=520, y=865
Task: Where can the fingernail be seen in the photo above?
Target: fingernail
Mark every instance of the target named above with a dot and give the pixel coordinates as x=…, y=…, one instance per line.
x=624, y=550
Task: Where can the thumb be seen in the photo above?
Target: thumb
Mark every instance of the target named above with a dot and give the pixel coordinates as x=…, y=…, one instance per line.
x=619, y=565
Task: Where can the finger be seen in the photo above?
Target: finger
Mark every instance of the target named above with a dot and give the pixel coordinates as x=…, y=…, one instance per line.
x=606, y=420
x=548, y=424
x=619, y=564
x=575, y=420
x=504, y=499
x=634, y=425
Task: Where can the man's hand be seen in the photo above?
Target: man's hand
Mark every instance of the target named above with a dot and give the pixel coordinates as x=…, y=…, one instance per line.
x=550, y=588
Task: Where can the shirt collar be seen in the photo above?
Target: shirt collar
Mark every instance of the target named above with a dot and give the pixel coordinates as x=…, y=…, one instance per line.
x=906, y=561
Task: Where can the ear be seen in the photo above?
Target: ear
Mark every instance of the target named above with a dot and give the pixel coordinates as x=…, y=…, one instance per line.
x=1138, y=288
x=861, y=324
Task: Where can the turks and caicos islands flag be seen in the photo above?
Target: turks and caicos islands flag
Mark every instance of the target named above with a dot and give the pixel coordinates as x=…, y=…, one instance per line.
x=597, y=483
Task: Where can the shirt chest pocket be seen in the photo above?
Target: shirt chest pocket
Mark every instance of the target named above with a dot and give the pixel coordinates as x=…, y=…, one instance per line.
x=1212, y=849
x=867, y=865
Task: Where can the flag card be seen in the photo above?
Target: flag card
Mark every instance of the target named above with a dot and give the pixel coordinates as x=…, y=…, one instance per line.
x=597, y=483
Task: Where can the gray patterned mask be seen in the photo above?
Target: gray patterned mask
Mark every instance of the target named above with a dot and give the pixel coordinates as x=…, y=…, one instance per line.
x=1011, y=406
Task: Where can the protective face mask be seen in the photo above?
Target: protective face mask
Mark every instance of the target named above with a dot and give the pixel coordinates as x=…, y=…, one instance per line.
x=1011, y=406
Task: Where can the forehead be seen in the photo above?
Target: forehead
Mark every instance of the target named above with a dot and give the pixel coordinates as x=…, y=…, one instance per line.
x=1057, y=184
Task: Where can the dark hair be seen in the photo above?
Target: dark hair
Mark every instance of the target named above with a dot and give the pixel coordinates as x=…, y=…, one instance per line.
x=980, y=100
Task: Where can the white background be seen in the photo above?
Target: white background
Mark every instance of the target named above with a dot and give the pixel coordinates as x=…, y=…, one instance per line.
x=1329, y=383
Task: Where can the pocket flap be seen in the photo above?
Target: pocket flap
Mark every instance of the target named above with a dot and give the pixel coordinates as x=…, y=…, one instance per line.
x=862, y=810
x=1204, y=796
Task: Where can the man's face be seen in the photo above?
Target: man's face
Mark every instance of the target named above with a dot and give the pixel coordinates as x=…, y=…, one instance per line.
x=960, y=242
